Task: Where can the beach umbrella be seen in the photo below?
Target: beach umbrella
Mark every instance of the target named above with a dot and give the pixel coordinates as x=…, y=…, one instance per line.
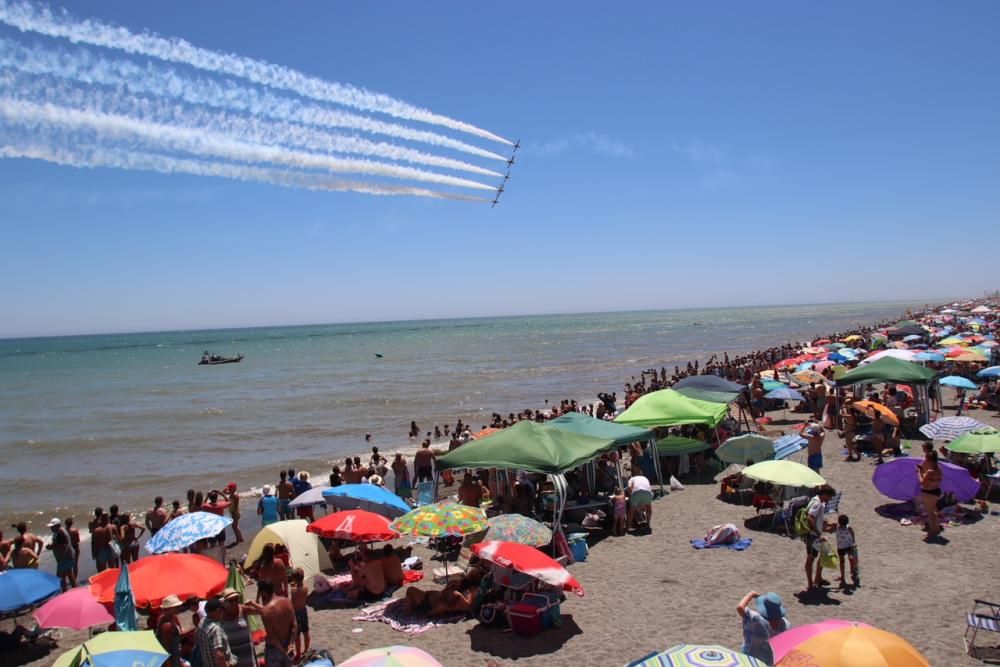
x=929, y=356
x=22, y=588
x=185, y=530
x=772, y=385
x=518, y=528
x=957, y=381
x=783, y=642
x=440, y=519
x=855, y=645
x=125, y=617
x=813, y=350
x=851, y=338
x=785, y=394
x=952, y=340
x=821, y=341
x=871, y=407
x=911, y=338
x=354, y=525
x=743, y=447
x=116, y=649
x=392, y=656
x=530, y=561
x=691, y=655
x=991, y=372
x=313, y=496
x=804, y=366
x=783, y=473
x=76, y=609
x=949, y=428
x=970, y=357
x=983, y=441
x=897, y=479
x=369, y=497
x=154, y=578
x=806, y=377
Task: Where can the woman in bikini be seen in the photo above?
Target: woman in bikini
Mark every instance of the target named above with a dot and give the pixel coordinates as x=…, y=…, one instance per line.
x=929, y=473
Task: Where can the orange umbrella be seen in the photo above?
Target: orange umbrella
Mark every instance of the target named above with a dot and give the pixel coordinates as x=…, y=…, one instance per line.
x=868, y=407
x=970, y=356
x=154, y=578
x=855, y=645
x=485, y=432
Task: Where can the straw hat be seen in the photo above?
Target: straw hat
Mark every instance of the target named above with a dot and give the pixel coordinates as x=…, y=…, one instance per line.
x=170, y=602
x=229, y=592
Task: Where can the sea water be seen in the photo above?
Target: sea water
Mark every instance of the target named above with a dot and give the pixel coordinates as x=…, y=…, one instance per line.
x=119, y=418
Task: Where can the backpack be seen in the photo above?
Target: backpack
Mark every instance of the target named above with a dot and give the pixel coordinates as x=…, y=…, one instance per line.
x=801, y=525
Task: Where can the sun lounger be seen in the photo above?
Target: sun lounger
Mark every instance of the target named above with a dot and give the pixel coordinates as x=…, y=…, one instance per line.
x=984, y=616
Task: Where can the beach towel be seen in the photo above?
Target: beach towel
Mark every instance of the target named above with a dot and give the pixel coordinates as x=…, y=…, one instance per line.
x=394, y=613
x=724, y=533
x=741, y=544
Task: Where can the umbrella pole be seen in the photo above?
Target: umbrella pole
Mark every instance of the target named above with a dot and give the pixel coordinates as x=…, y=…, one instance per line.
x=656, y=463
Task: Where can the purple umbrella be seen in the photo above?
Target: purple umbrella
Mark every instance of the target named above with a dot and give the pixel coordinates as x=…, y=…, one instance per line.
x=898, y=479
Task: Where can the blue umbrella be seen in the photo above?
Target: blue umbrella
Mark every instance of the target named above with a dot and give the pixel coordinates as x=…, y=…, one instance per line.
x=20, y=589
x=185, y=530
x=957, y=381
x=805, y=366
x=125, y=616
x=991, y=372
x=370, y=497
x=929, y=356
x=907, y=339
x=838, y=357
x=785, y=394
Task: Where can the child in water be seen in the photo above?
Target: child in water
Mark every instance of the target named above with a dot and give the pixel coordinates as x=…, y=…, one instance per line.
x=620, y=510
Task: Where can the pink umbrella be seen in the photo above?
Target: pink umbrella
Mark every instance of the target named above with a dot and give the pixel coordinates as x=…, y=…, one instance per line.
x=784, y=642
x=822, y=366
x=76, y=609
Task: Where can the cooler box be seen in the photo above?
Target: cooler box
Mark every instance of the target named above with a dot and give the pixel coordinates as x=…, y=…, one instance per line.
x=578, y=547
x=548, y=603
x=525, y=618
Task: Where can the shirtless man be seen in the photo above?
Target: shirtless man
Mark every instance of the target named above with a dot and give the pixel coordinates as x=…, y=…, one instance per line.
x=285, y=491
x=156, y=517
x=423, y=463
x=101, y=537
x=272, y=571
x=470, y=493
x=175, y=510
x=392, y=567
x=31, y=540
x=5, y=548
x=278, y=616
x=815, y=435
x=21, y=555
x=129, y=533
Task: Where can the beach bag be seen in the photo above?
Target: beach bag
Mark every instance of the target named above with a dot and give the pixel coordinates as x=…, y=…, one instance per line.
x=802, y=522
x=828, y=557
x=675, y=484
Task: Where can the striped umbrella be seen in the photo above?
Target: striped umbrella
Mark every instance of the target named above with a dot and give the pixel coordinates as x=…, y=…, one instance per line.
x=949, y=428
x=392, y=656
x=518, y=528
x=529, y=561
x=440, y=519
x=691, y=655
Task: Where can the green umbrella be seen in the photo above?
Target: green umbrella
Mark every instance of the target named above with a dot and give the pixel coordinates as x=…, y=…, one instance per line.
x=783, y=473
x=441, y=519
x=116, y=648
x=981, y=441
x=743, y=447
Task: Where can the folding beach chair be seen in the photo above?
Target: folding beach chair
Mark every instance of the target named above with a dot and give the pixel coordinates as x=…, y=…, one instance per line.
x=443, y=575
x=984, y=616
x=833, y=507
x=994, y=481
x=425, y=493
x=786, y=515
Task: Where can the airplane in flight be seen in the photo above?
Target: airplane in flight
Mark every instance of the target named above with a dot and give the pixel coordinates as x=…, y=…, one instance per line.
x=500, y=190
x=517, y=145
x=506, y=177
x=510, y=162
x=496, y=200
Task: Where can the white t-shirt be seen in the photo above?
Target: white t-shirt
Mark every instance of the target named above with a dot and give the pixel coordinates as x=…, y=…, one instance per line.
x=639, y=483
x=816, y=511
x=844, y=538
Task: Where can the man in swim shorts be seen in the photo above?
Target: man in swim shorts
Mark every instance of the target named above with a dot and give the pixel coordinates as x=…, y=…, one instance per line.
x=815, y=435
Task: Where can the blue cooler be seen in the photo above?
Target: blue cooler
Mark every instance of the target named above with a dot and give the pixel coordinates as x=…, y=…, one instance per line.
x=578, y=546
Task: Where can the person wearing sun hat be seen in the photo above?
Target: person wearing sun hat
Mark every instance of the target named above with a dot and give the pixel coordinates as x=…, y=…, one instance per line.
x=168, y=630
x=763, y=617
x=268, y=507
x=65, y=555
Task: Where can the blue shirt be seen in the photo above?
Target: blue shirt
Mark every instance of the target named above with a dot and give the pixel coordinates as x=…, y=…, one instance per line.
x=269, y=509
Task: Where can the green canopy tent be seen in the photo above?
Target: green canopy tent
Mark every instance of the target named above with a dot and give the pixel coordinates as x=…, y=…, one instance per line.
x=621, y=434
x=676, y=445
x=890, y=369
x=532, y=447
x=671, y=408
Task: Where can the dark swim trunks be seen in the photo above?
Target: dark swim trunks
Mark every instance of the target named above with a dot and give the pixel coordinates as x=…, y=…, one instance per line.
x=302, y=618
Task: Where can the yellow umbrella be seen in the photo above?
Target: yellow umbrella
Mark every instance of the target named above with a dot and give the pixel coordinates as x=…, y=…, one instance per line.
x=851, y=338
x=807, y=377
x=870, y=406
x=953, y=341
x=857, y=646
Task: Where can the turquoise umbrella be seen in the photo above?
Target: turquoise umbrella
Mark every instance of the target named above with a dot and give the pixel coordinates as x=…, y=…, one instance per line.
x=125, y=616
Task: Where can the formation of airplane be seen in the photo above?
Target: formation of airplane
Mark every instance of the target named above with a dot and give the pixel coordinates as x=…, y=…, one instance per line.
x=506, y=177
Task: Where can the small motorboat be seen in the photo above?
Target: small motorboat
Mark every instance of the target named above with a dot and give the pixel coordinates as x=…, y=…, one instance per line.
x=215, y=359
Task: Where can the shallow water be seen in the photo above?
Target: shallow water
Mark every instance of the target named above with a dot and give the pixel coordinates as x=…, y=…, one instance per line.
x=87, y=420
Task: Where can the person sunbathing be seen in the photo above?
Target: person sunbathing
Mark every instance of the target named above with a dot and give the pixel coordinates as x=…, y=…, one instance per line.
x=455, y=598
x=367, y=580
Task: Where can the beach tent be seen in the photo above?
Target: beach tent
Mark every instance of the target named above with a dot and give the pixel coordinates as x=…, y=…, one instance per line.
x=528, y=446
x=672, y=408
x=305, y=549
x=621, y=434
x=711, y=388
x=888, y=369
x=676, y=445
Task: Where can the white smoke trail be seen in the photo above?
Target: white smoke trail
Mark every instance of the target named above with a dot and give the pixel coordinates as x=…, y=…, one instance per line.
x=82, y=157
x=167, y=137
x=44, y=89
x=82, y=65
x=29, y=18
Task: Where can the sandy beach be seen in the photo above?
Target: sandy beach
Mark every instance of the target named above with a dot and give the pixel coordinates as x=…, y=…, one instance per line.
x=653, y=591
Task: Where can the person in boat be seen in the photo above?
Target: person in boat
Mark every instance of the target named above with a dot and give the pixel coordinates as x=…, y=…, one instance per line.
x=205, y=357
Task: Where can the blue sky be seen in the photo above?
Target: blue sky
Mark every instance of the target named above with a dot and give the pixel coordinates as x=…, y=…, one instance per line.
x=672, y=156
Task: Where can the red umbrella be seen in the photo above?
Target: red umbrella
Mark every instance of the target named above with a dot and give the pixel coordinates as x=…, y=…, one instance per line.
x=528, y=560
x=154, y=578
x=354, y=525
x=788, y=363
